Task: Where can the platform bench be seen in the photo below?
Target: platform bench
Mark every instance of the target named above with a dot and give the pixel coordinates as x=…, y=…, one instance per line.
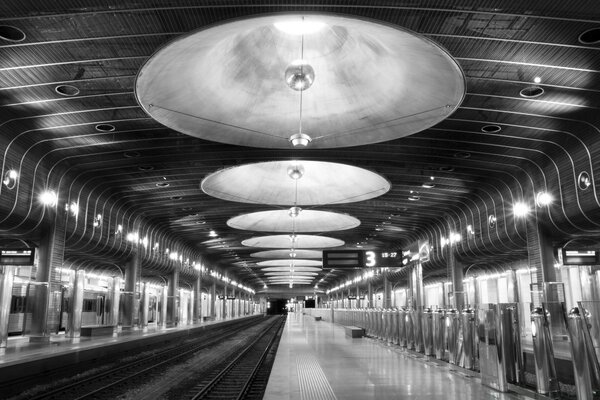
x=354, y=331
x=317, y=318
x=92, y=331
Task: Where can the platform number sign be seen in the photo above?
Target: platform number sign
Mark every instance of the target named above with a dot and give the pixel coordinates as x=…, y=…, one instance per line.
x=370, y=259
x=381, y=259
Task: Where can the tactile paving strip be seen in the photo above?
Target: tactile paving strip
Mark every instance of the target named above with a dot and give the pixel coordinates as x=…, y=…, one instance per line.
x=312, y=380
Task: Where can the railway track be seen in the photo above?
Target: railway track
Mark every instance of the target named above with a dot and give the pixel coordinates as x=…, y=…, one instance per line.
x=246, y=375
x=116, y=381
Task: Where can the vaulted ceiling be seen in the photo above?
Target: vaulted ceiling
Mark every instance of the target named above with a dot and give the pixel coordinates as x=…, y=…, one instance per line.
x=70, y=121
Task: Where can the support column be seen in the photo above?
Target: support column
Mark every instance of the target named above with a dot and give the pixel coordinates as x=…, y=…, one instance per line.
x=357, y=296
x=370, y=295
x=456, y=268
x=7, y=273
x=144, y=305
x=213, y=298
x=198, y=299
x=132, y=271
x=114, y=295
x=387, y=292
x=73, y=329
x=45, y=319
x=541, y=257
x=349, y=304
x=225, y=315
x=164, y=306
x=173, y=300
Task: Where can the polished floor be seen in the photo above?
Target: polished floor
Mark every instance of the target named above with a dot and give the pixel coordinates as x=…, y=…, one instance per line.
x=316, y=361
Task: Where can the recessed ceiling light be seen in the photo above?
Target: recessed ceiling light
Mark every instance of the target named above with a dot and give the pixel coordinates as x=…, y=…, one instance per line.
x=105, y=128
x=537, y=79
x=414, y=198
x=10, y=179
x=491, y=128
x=462, y=154
x=145, y=168
x=67, y=90
x=531, y=92
x=544, y=199
x=591, y=36
x=131, y=154
x=428, y=185
x=446, y=169
x=11, y=33
x=584, y=181
x=162, y=184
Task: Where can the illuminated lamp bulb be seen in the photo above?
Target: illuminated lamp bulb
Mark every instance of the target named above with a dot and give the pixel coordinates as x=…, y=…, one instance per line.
x=49, y=198
x=300, y=139
x=293, y=238
x=543, y=199
x=299, y=75
x=292, y=255
x=520, y=209
x=10, y=179
x=295, y=171
x=294, y=211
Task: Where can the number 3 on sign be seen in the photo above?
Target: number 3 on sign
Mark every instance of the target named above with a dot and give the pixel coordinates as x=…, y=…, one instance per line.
x=371, y=260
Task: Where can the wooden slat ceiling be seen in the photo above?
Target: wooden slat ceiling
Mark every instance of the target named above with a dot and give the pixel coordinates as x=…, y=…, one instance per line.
x=544, y=143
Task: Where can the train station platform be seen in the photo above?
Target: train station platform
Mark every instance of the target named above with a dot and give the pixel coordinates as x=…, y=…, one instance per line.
x=317, y=360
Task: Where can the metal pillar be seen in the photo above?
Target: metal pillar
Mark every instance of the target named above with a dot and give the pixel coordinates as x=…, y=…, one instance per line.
x=131, y=276
x=51, y=256
x=173, y=299
x=75, y=311
x=144, y=305
x=387, y=292
x=7, y=273
x=114, y=297
x=224, y=305
x=540, y=254
x=164, y=305
x=369, y=295
x=213, y=298
x=455, y=272
x=198, y=299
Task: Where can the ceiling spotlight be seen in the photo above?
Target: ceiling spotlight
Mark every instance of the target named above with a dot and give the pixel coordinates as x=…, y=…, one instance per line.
x=300, y=139
x=520, y=209
x=543, y=199
x=537, y=79
x=10, y=179
x=295, y=171
x=49, y=198
x=293, y=238
x=299, y=75
x=294, y=211
x=212, y=234
x=292, y=254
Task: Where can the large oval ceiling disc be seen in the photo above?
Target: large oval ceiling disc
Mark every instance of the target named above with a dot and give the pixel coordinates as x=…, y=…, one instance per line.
x=300, y=242
x=296, y=274
x=298, y=253
x=287, y=269
x=315, y=183
x=372, y=82
x=290, y=261
x=304, y=221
